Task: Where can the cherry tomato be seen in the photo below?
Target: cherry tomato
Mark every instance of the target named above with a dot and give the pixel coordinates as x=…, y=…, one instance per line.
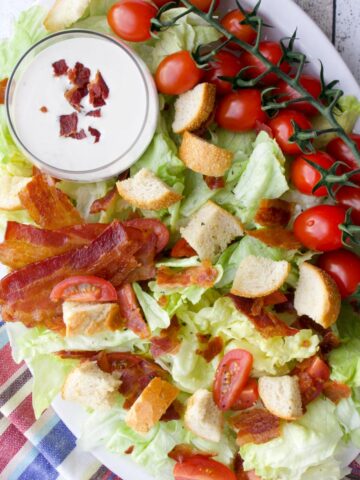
x=177, y=74
x=240, y=111
x=84, y=288
x=248, y=396
x=131, y=19
x=202, y=468
x=283, y=129
x=318, y=227
x=305, y=177
x=349, y=197
x=231, y=377
x=312, y=374
x=272, y=51
x=224, y=64
x=344, y=267
x=153, y=225
x=204, y=5
x=232, y=23
x=182, y=249
x=341, y=152
x=310, y=83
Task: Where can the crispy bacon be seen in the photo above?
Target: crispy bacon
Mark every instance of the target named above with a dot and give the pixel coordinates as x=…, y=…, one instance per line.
x=79, y=75
x=256, y=426
x=174, y=412
x=74, y=96
x=273, y=213
x=43, y=109
x=336, y=391
x=130, y=311
x=214, y=182
x=98, y=91
x=145, y=255
x=95, y=133
x=80, y=135
x=104, y=203
x=25, y=293
x=168, y=341
x=275, y=298
x=329, y=342
x=182, y=452
x=212, y=349
x=94, y=113
x=48, y=206
x=204, y=276
x=182, y=249
x=129, y=450
x=3, y=84
x=86, y=231
x=240, y=473
x=266, y=323
x=60, y=68
x=276, y=237
x=68, y=124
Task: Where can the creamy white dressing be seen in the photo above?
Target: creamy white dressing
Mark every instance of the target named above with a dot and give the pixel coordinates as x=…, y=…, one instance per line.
x=122, y=120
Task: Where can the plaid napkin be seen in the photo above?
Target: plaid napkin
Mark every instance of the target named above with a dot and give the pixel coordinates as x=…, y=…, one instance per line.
x=43, y=449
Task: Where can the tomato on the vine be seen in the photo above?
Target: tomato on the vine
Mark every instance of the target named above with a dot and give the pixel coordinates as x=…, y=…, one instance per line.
x=177, y=73
x=318, y=227
x=305, y=177
x=131, y=19
x=349, y=197
x=283, y=129
x=286, y=93
x=202, y=468
x=272, y=51
x=224, y=64
x=240, y=111
x=232, y=23
x=344, y=267
x=338, y=149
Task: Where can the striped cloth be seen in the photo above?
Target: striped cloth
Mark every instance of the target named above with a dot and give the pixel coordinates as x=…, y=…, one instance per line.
x=43, y=449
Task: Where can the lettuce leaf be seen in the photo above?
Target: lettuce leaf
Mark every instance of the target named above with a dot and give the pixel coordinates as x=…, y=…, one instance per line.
x=156, y=317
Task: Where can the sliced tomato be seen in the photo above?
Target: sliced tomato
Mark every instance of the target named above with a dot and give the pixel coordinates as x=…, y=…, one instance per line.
x=248, y=397
x=202, y=468
x=153, y=225
x=182, y=249
x=84, y=288
x=231, y=377
x=318, y=369
x=312, y=373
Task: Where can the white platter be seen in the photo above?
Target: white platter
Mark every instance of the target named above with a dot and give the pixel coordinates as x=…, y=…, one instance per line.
x=285, y=16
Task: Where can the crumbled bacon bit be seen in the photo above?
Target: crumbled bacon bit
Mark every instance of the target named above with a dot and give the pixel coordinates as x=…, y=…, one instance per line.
x=74, y=96
x=182, y=249
x=204, y=276
x=163, y=301
x=274, y=213
x=60, y=68
x=174, y=412
x=94, y=113
x=79, y=75
x=168, y=341
x=276, y=237
x=129, y=450
x=213, y=348
x=104, y=203
x=256, y=426
x=98, y=91
x=95, y=133
x=329, y=342
x=68, y=124
x=240, y=473
x=336, y=391
x=3, y=84
x=44, y=109
x=79, y=135
x=214, y=183
x=203, y=337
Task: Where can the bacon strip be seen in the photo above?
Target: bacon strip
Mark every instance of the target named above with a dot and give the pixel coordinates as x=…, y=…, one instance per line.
x=275, y=298
x=130, y=311
x=273, y=213
x=212, y=349
x=266, y=323
x=104, y=203
x=204, y=276
x=256, y=426
x=336, y=391
x=168, y=341
x=48, y=206
x=3, y=84
x=276, y=237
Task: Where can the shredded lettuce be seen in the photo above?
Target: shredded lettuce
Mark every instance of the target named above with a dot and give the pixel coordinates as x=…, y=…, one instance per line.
x=156, y=317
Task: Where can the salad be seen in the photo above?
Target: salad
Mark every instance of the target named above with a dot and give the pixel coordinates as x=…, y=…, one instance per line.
x=203, y=306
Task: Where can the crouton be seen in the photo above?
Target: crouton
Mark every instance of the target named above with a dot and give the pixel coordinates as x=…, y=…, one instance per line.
x=64, y=13
x=202, y=417
x=317, y=295
x=193, y=108
x=9, y=191
x=90, y=318
x=146, y=190
x=259, y=276
x=204, y=157
x=210, y=230
x=281, y=396
x=153, y=402
x=88, y=385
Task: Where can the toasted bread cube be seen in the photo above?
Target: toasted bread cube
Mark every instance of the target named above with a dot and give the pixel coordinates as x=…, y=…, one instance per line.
x=258, y=277
x=204, y=157
x=281, y=396
x=153, y=402
x=90, y=318
x=88, y=385
x=193, y=108
x=64, y=13
x=202, y=416
x=146, y=190
x=317, y=295
x=10, y=186
x=210, y=230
